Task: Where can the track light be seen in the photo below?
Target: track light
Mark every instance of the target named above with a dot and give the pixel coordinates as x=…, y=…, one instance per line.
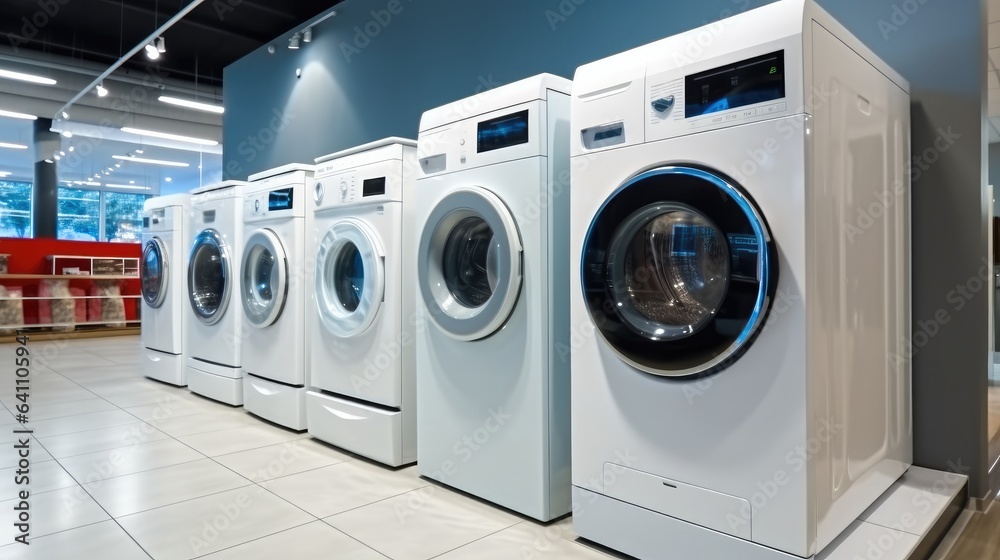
x=293, y=43
x=65, y=115
x=307, y=35
x=161, y=44
x=151, y=52
x=66, y=134
x=101, y=90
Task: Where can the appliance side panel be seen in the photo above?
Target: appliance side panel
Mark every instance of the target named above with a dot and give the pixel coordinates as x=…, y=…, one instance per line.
x=855, y=242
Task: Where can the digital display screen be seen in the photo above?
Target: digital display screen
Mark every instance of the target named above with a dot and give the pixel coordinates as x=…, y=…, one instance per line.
x=743, y=251
x=502, y=132
x=372, y=187
x=280, y=199
x=754, y=80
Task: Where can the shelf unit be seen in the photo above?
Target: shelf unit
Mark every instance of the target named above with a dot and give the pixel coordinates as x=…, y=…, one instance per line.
x=128, y=266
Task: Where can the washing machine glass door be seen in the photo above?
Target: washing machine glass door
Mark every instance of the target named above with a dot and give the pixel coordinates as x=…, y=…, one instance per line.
x=265, y=278
x=209, y=272
x=678, y=271
x=350, y=278
x=154, y=273
x=470, y=263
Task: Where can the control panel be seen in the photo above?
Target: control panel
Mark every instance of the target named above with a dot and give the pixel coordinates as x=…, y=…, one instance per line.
x=274, y=203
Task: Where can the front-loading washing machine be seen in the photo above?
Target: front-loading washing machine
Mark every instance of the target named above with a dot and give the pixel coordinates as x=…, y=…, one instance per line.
x=273, y=294
x=740, y=386
x=361, y=318
x=492, y=250
x=165, y=241
x=213, y=322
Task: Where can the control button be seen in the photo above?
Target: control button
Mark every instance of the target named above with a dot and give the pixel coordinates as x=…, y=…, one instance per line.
x=256, y=206
x=782, y=106
x=461, y=142
x=732, y=117
x=663, y=104
x=748, y=113
x=717, y=120
x=319, y=192
x=343, y=190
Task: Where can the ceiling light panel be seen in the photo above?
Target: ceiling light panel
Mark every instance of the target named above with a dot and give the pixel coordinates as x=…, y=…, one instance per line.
x=168, y=136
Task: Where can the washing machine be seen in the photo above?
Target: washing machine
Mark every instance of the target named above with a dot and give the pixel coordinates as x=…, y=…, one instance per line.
x=273, y=294
x=165, y=240
x=213, y=322
x=740, y=381
x=492, y=248
x=360, y=318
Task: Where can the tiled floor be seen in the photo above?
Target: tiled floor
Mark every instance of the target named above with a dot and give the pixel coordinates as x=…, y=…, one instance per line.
x=124, y=468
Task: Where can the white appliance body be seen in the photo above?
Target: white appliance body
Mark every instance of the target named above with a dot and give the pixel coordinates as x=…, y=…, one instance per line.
x=214, y=317
x=165, y=241
x=360, y=317
x=273, y=295
x=753, y=413
x=492, y=255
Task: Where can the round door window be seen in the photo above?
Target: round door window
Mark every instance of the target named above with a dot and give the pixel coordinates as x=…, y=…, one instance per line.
x=264, y=284
x=350, y=281
x=208, y=276
x=469, y=263
x=678, y=271
x=154, y=273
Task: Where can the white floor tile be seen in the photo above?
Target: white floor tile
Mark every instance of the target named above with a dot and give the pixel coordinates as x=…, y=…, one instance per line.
x=344, y=486
x=125, y=495
x=42, y=477
x=81, y=422
x=104, y=540
x=422, y=524
x=525, y=540
x=174, y=406
x=206, y=421
x=315, y=540
x=212, y=523
x=101, y=465
x=283, y=459
x=36, y=454
x=101, y=439
x=55, y=511
x=222, y=442
x=71, y=408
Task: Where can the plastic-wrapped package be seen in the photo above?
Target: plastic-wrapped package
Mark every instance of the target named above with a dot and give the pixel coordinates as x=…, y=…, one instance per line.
x=59, y=308
x=112, y=305
x=80, y=305
x=11, y=309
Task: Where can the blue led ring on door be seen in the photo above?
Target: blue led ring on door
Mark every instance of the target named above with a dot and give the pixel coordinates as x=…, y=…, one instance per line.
x=615, y=254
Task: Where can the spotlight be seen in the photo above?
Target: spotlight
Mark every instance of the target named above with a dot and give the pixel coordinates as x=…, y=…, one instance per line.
x=118, y=165
x=307, y=35
x=62, y=153
x=72, y=148
x=161, y=45
x=169, y=180
x=66, y=134
x=101, y=90
x=151, y=52
x=65, y=115
x=293, y=43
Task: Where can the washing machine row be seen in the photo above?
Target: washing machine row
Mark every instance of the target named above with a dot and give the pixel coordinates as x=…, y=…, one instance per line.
x=429, y=301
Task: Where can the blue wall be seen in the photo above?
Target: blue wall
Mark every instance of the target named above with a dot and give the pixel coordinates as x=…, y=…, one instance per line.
x=356, y=89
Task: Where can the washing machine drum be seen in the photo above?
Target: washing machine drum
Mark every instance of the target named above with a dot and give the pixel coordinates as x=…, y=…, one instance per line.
x=264, y=285
x=469, y=263
x=209, y=276
x=350, y=278
x=679, y=270
x=154, y=273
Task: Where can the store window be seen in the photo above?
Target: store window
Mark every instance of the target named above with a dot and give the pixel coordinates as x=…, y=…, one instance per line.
x=15, y=209
x=123, y=217
x=79, y=215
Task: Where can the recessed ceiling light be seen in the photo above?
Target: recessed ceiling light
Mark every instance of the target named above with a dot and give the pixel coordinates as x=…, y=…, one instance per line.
x=168, y=136
x=169, y=180
x=6, y=173
x=62, y=153
x=16, y=115
x=218, y=109
x=47, y=160
x=10, y=74
x=151, y=161
x=10, y=146
x=56, y=157
x=139, y=151
x=131, y=182
x=132, y=187
x=72, y=148
x=118, y=165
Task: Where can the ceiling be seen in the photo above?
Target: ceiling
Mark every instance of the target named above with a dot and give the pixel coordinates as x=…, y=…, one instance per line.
x=993, y=71
x=82, y=39
x=198, y=47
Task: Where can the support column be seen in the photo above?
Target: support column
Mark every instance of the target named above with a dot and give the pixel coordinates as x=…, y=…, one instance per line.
x=44, y=199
